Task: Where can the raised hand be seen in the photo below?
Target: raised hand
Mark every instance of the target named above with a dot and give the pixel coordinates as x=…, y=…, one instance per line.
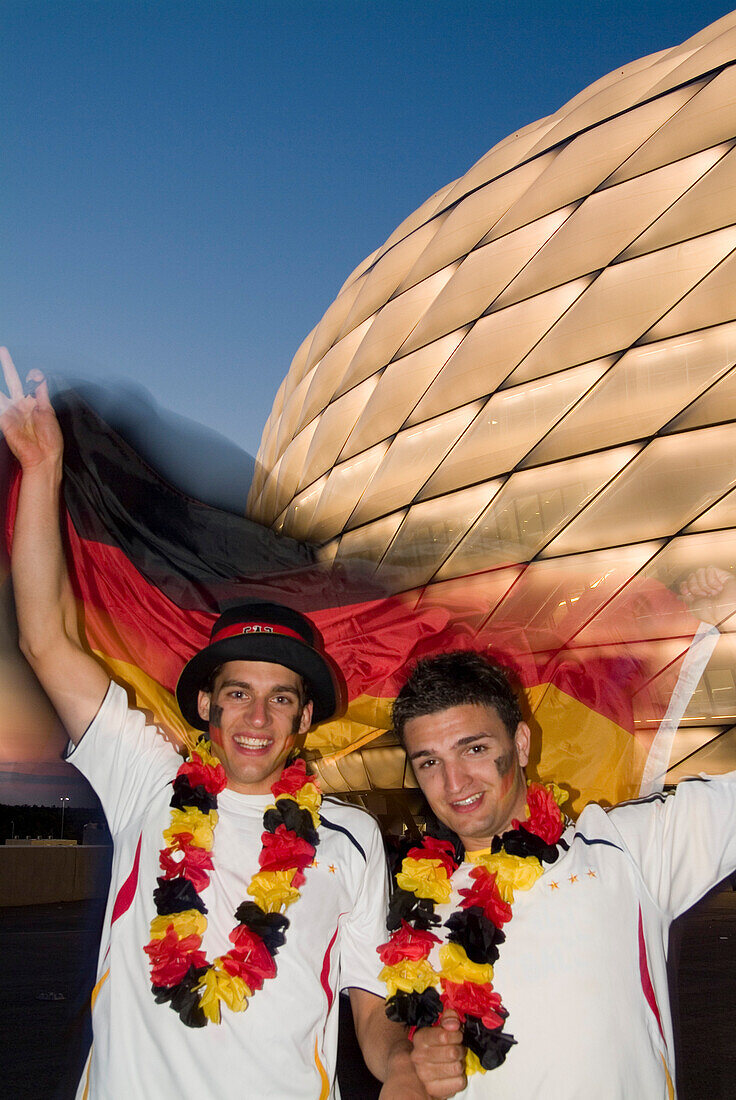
x=439, y=1056
x=710, y=593
x=28, y=421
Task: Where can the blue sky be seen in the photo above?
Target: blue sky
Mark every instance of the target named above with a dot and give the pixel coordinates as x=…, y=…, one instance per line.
x=187, y=185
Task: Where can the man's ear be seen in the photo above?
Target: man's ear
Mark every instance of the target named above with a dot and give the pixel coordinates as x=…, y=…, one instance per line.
x=523, y=741
x=306, y=719
x=203, y=705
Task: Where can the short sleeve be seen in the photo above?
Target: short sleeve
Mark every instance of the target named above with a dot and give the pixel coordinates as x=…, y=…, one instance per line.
x=125, y=760
x=365, y=927
x=683, y=842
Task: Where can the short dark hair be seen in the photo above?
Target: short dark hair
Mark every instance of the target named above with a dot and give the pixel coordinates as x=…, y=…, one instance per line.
x=452, y=680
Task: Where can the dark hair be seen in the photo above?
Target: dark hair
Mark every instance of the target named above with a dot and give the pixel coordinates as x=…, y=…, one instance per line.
x=452, y=680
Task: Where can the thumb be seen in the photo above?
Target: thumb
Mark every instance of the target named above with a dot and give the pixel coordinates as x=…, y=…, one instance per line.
x=450, y=1020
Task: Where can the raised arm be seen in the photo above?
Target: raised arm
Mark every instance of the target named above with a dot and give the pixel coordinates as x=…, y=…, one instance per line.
x=47, y=617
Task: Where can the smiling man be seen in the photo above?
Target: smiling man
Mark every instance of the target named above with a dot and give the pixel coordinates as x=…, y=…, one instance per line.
x=536, y=948
x=234, y=885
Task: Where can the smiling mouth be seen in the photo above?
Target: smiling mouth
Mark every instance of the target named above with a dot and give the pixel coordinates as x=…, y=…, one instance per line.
x=465, y=804
x=252, y=744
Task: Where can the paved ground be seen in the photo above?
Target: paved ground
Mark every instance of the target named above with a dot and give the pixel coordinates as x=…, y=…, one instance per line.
x=49, y=955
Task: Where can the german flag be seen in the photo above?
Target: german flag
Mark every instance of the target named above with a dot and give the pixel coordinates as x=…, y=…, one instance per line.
x=152, y=568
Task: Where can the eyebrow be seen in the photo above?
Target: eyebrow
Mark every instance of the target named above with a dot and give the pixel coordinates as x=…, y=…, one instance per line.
x=292, y=689
x=471, y=739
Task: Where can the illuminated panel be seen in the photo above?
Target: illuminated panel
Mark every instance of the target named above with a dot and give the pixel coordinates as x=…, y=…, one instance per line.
x=522, y=405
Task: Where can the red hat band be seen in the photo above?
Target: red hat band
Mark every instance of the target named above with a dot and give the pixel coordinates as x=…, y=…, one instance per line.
x=255, y=628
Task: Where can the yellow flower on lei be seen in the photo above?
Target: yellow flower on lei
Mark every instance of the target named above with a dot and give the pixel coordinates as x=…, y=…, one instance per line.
x=558, y=794
x=217, y=985
x=193, y=821
x=190, y=922
x=310, y=798
x=457, y=967
x=425, y=878
x=472, y=1063
x=203, y=750
x=512, y=872
x=272, y=889
x=410, y=976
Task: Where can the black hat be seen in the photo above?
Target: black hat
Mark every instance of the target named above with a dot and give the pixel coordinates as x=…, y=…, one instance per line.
x=261, y=632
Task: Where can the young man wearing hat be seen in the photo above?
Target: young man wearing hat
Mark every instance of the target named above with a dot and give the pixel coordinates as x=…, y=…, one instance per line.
x=234, y=886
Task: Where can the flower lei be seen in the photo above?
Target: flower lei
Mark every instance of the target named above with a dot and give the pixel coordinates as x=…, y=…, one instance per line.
x=417, y=993
x=180, y=972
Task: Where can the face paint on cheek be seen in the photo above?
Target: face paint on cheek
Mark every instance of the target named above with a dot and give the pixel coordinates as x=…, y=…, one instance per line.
x=215, y=724
x=504, y=763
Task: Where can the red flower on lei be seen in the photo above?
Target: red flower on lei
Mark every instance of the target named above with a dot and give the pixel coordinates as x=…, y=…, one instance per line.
x=545, y=817
x=284, y=850
x=484, y=893
x=171, y=957
x=407, y=943
x=432, y=848
x=471, y=999
x=194, y=864
x=210, y=776
x=292, y=779
x=249, y=958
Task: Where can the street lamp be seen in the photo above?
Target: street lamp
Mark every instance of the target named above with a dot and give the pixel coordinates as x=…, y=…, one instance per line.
x=63, y=799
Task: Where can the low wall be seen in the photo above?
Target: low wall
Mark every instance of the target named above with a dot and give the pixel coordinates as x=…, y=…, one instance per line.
x=39, y=874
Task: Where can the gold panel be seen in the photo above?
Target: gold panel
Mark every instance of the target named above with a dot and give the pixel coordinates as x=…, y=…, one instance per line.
x=469, y=221
x=561, y=595
x=385, y=766
x=342, y=490
x=623, y=302
x=299, y=366
x=603, y=225
x=328, y=330
x=706, y=120
x=710, y=303
x=708, y=49
x=722, y=514
x=329, y=372
x=715, y=758
x=641, y=393
x=508, y=426
x=716, y=405
x=493, y=347
x=369, y=543
x=664, y=488
x=298, y=520
x=530, y=509
x=432, y=206
x=431, y=530
x=411, y=458
x=662, y=613
x=504, y=157
x=708, y=205
x=291, y=466
x=387, y=407
x=333, y=428
x=382, y=281
x=614, y=93
x=578, y=168
x=715, y=696
x=481, y=277
x=390, y=328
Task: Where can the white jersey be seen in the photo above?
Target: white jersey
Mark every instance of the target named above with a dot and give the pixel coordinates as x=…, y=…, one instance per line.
x=284, y=1045
x=583, y=970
